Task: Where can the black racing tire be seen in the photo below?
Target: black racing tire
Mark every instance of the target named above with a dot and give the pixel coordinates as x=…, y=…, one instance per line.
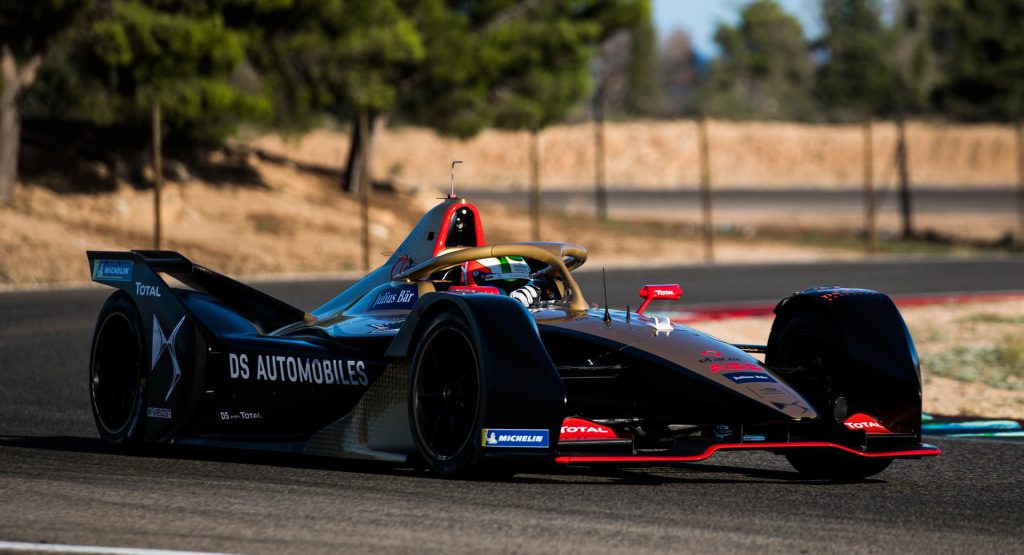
x=446, y=396
x=117, y=373
x=812, y=343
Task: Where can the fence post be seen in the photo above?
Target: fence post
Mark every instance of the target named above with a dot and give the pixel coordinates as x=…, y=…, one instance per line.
x=535, y=184
x=870, y=237
x=906, y=213
x=1020, y=183
x=158, y=172
x=707, y=227
x=601, y=191
x=364, y=188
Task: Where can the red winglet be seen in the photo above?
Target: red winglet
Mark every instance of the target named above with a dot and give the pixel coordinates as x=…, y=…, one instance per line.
x=578, y=429
x=648, y=293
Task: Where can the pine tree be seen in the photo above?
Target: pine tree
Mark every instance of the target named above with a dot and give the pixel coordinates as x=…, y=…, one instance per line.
x=764, y=69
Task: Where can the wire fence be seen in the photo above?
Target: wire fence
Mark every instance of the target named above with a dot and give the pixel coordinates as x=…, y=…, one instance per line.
x=719, y=174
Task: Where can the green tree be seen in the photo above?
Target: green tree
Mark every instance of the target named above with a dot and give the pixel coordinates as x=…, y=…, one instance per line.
x=979, y=48
x=643, y=96
x=680, y=74
x=27, y=31
x=152, y=52
x=856, y=77
x=764, y=70
x=454, y=66
x=351, y=60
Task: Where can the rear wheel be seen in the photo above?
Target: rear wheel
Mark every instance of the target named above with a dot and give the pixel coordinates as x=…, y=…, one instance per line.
x=811, y=347
x=117, y=377
x=445, y=396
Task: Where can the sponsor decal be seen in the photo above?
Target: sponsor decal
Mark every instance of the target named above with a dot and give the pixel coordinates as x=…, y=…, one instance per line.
x=864, y=422
x=733, y=366
x=296, y=369
x=503, y=437
x=163, y=343
x=395, y=299
x=144, y=290
x=833, y=294
x=804, y=409
x=666, y=291
x=767, y=391
x=158, y=412
x=749, y=377
x=240, y=415
x=387, y=327
x=715, y=357
x=578, y=429
x=595, y=429
x=112, y=270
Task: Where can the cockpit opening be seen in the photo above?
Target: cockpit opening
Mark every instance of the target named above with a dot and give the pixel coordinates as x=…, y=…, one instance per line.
x=462, y=229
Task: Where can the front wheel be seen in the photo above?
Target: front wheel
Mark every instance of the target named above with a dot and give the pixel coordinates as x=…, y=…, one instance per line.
x=446, y=394
x=835, y=466
x=117, y=377
x=810, y=347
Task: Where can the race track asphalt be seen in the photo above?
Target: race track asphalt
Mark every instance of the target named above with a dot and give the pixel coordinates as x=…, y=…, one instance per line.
x=59, y=484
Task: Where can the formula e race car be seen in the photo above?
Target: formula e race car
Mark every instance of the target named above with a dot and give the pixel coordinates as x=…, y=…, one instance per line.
x=469, y=357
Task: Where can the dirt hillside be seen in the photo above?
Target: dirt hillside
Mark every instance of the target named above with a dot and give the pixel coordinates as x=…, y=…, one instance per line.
x=299, y=222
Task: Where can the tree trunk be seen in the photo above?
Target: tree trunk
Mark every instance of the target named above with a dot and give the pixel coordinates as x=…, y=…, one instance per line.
x=360, y=151
x=13, y=81
x=10, y=133
x=158, y=173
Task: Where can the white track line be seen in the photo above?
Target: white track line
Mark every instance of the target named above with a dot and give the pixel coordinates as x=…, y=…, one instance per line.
x=92, y=549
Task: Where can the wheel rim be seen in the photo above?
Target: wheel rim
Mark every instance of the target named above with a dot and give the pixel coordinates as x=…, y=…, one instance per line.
x=446, y=393
x=115, y=374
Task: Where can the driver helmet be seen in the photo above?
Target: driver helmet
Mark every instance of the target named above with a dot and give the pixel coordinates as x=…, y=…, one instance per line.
x=507, y=273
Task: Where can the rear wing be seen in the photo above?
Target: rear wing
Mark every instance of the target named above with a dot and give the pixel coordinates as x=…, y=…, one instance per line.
x=138, y=272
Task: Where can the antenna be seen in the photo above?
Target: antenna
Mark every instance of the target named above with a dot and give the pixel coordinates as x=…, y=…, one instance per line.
x=607, y=316
x=453, y=178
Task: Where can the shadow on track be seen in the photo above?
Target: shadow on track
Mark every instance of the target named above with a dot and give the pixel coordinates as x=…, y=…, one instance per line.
x=693, y=474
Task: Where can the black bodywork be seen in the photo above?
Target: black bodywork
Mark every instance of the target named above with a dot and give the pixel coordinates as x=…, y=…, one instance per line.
x=227, y=365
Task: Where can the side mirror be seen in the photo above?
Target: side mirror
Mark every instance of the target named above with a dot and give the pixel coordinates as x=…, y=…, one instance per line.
x=648, y=293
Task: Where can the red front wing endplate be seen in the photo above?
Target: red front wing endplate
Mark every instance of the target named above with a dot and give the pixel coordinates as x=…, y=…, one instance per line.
x=923, y=450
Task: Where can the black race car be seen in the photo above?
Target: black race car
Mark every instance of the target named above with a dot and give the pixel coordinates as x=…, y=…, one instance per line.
x=469, y=357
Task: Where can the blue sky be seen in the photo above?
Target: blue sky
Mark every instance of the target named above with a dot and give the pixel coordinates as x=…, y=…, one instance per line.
x=700, y=18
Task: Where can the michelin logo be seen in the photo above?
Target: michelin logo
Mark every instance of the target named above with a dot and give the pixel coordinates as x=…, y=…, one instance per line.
x=112, y=270
x=494, y=437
